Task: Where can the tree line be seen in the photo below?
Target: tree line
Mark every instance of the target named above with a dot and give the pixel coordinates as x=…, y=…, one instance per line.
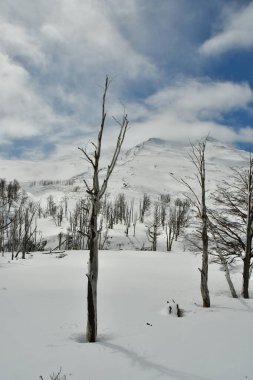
x=18, y=221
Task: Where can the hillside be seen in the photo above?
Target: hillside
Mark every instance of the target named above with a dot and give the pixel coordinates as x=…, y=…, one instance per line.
x=150, y=167
x=147, y=167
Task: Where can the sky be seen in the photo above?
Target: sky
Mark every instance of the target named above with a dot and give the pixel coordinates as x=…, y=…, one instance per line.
x=180, y=69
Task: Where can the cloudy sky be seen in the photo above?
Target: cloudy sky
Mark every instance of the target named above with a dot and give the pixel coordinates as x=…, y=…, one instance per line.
x=180, y=69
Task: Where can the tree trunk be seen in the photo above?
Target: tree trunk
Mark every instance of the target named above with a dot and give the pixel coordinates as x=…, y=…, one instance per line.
x=204, y=270
x=247, y=258
x=91, y=331
x=225, y=267
x=246, y=268
x=229, y=281
x=96, y=193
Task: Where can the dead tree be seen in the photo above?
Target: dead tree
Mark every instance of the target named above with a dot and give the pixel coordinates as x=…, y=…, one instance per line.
x=26, y=219
x=165, y=201
x=144, y=206
x=135, y=222
x=233, y=218
x=170, y=228
x=181, y=215
x=96, y=192
x=198, y=199
x=154, y=228
x=249, y=233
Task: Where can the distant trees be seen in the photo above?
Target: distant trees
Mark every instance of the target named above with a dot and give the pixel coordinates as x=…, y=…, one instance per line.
x=95, y=193
x=27, y=231
x=18, y=230
x=177, y=220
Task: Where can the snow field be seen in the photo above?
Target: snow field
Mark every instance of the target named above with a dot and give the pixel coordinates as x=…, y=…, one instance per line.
x=43, y=318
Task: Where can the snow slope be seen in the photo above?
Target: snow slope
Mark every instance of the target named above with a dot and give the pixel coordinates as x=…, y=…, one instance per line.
x=42, y=319
x=148, y=167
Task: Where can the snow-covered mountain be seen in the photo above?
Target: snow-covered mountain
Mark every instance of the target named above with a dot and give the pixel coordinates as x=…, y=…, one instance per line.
x=148, y=167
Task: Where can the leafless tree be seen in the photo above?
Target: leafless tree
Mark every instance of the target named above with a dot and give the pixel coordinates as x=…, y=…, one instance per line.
x=56, y=376
x=165, y=201
x=177, y=220
x=17, y=233
x=135, y=218
x=154, y=228
x=181, y=214
x=27, y=227
x=96, y=192
x=144, y=206
x=233, y=218
x=198, y=199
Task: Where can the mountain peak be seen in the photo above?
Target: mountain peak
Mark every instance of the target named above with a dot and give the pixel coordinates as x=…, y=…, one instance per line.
x=156, y=141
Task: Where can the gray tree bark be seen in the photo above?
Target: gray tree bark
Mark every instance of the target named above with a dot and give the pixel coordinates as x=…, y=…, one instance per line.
x=95, y=193
x=197, y=157
x=249, y=232
x=204, y=269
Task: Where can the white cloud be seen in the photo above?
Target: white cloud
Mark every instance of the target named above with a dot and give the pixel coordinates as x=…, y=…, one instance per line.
x=191, y=109
x=16, y=41
x=191, y=97
x=54, y=56
x=237, y=32
x=53, y=60
x=23, y=113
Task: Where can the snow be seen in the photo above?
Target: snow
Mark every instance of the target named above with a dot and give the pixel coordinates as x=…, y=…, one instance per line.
x=43, y=318
x=148, y=167
x=43, y=298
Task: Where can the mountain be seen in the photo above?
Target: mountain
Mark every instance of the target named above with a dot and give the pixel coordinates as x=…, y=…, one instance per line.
x=146, y=168
x=152, y=167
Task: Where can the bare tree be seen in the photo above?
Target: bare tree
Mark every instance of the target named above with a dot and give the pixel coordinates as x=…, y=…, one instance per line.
x=177, y=220
x=96, y=192
x=18, y=230
x=165, y=201
x=144, y=206
x=197, y=157
x=135, y=218
x=233, y=218
x=154, y=228
x=249, y=233
x=181, y=215
x=170, y=229
x=27, y=227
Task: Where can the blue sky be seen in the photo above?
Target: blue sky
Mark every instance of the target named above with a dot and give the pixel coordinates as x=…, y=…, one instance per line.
x=180, y=68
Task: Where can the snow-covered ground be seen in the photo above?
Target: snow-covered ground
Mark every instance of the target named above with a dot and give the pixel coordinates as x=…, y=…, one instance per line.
x=43, y=318
x=43, y=298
